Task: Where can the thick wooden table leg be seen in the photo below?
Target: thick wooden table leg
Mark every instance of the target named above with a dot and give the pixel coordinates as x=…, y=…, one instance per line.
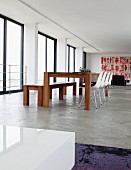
x=46, y=90
x=87, y=91
x=25, y=95
x=40, y=96
x=50, y=93
x=64, y=90
x=74, y=90
x=61, y=93
x=80, y=85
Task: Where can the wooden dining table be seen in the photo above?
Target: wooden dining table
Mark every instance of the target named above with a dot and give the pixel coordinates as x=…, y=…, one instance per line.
x=86, y=75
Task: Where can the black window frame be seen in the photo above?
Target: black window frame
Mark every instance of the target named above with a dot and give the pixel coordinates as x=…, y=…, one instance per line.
x=55, y=51
x=5, y=18
x=74, y=48
x=84, y=60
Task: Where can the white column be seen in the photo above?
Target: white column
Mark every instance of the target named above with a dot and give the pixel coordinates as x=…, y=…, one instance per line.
x=61, y=56
x=79, y=58
x=31, y=52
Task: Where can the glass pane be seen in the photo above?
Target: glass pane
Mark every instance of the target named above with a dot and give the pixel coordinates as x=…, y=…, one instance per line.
x=71, y=62
x=50, y=56
x=1, y=138
x=41, y=58
x=67, y=48
x=84, y=59
x=13, y=56
x=1, y=52
x=12, y=135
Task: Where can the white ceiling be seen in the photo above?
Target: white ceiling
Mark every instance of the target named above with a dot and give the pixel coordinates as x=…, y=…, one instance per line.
x=104, y=24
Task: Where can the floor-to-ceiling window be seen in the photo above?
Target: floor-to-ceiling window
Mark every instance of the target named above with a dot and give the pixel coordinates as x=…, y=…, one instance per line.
x=1, y=52
x=11, y=55
x=50, y=56
x=41, y=57
x=46, y=55
x=84, y=60
x=70, y=62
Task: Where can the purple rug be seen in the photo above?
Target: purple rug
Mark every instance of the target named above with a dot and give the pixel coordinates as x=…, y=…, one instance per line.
x=90, y=157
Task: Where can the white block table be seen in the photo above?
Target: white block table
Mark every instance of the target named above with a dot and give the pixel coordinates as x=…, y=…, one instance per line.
x=33, y=149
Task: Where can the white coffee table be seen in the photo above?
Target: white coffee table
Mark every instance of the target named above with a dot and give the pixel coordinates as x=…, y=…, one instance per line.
x=33, y=149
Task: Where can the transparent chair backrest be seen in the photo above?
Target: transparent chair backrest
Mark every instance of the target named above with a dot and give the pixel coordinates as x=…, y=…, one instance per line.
x=110, y=79
x=98, y=83
x=103, y=79
x=107, y=78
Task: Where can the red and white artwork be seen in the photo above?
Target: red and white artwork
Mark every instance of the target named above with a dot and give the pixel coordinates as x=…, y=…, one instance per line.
x=120, y=65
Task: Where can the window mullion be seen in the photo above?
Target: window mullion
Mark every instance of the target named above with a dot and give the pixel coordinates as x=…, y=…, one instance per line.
x=4, y=55
x=46, y=54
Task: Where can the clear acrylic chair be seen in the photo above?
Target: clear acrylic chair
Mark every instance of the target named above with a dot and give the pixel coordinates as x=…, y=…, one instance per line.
x=106, y=84
x=95, y=92
x=102, y=86
x=109, y=84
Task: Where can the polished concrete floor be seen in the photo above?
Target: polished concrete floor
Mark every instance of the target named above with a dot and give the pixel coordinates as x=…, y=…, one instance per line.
x=110, y=125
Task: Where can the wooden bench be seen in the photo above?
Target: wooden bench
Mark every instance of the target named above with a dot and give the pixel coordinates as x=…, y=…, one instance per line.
x=39, y=88
x=62, y=88
x=27, y=88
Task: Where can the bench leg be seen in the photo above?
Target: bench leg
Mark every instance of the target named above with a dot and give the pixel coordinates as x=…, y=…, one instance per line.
x=60, y=93
x=64, y=90
x=74, y=90
x=25, y=95
x=80, y=84
x=50, y=93
x=80, y=91
x=40, y=96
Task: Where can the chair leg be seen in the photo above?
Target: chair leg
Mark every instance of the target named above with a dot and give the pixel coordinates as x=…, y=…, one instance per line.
x=104, y=95
x=99, y=94
x=108, y=94
x=81, y=102
x=95, y=98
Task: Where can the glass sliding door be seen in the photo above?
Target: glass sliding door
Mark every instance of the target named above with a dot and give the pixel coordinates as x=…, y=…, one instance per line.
x=84, y=60
x=50, y=56
x=11, y=55
x=71, y=65
x=13, y=58
x=1, y=52
x=46, y=55
x=70, y=60
x=41, y=57
x=67, y=60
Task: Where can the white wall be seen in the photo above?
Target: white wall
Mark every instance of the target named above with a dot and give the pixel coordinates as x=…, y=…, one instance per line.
x=94, y=60
x=61, y=55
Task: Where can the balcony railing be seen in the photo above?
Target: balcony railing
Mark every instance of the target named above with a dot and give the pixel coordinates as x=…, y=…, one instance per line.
x=12, y=77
